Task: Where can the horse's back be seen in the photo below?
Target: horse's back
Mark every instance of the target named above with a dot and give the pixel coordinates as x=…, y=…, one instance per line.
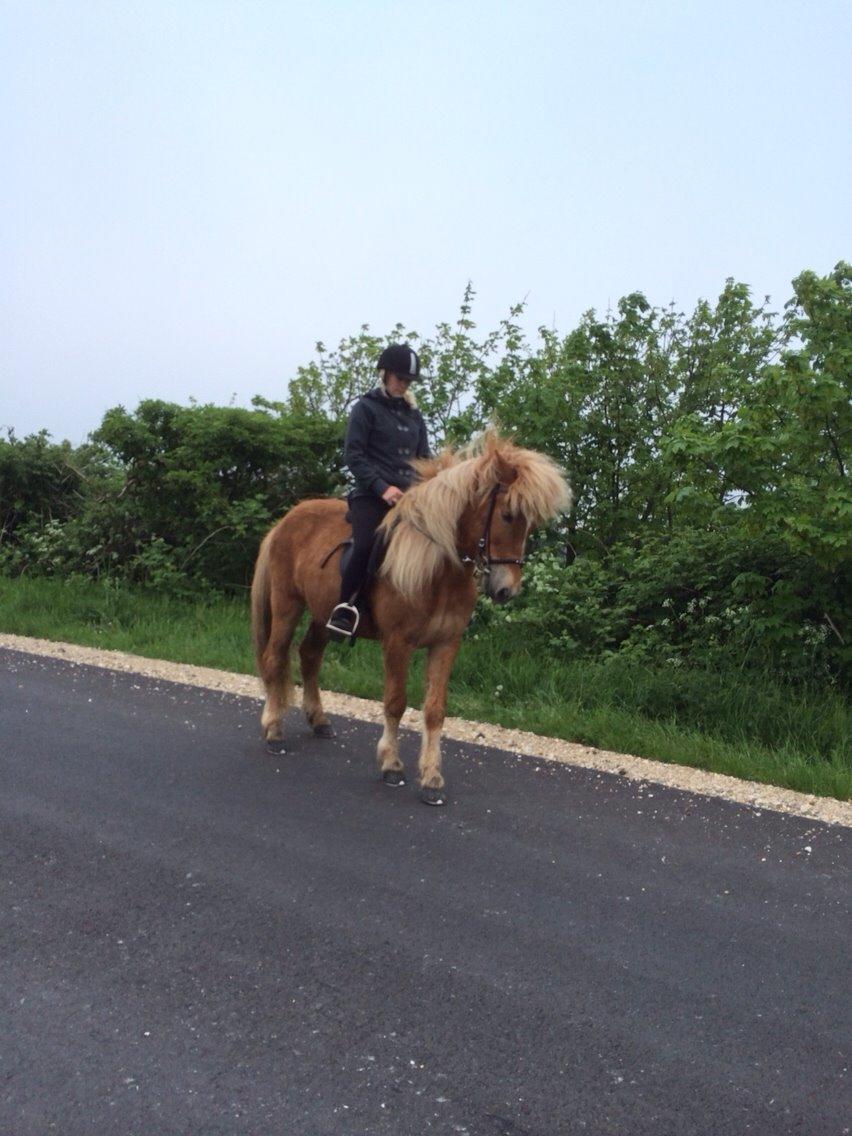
x=328, y=507
x=309, y=515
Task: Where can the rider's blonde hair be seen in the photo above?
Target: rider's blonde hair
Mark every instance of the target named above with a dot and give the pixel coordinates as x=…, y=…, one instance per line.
x=407, y=395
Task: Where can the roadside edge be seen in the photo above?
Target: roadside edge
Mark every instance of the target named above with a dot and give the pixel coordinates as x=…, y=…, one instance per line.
x=520, y=742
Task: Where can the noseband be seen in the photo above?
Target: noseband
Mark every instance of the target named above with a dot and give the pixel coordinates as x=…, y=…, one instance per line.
x=482, y=560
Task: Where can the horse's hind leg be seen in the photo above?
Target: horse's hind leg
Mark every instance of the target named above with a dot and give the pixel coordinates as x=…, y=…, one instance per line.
x=311, y=650
x=275, y=668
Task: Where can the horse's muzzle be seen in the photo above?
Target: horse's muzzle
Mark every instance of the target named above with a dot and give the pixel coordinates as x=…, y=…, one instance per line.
x=503, y=584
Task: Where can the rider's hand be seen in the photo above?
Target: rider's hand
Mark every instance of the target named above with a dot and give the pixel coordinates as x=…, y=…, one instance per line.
x=391, y=495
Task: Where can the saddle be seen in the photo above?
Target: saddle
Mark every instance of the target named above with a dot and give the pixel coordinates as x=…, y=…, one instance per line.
x=360, y=601
x=377, y=555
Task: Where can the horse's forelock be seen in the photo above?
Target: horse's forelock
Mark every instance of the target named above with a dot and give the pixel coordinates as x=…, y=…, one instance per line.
x=534, y=484
x=539, y=490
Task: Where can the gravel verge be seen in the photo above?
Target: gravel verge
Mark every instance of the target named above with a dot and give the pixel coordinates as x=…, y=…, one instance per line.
x=519, y=742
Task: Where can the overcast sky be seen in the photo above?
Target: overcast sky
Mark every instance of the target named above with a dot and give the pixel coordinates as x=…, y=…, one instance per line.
x=193, y=193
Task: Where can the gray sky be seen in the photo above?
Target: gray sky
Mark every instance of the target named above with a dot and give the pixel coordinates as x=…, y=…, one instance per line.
x=193, y=193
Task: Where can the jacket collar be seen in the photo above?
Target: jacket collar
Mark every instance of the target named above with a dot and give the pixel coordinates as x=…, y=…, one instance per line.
x=403, y=402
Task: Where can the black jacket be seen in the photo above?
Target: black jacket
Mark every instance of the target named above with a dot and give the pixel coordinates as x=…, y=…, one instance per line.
x=381, y=435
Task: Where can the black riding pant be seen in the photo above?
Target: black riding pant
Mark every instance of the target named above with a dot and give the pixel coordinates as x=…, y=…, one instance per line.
x=365, y=513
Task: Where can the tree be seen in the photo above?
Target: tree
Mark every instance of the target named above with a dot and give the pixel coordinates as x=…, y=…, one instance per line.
x=780, y=451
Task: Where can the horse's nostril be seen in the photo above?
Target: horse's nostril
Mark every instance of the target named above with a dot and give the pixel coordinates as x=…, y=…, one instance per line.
x=502, y=595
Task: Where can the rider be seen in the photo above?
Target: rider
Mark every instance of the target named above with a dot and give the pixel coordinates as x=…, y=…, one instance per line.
x=384, y=431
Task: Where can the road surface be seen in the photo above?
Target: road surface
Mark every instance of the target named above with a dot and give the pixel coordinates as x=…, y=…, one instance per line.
x=198, y=937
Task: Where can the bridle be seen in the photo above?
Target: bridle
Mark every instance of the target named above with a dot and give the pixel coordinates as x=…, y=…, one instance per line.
x=482, y=560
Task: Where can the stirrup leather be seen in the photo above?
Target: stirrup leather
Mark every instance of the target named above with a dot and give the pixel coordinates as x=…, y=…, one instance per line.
x=349, y=609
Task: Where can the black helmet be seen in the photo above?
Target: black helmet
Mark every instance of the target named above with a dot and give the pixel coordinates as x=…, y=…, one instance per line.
x=401, y=359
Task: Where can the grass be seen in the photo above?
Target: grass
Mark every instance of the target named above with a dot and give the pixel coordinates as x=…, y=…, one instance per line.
x=746, y=725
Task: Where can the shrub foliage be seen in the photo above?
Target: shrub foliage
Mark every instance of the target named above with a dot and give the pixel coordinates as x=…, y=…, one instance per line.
x=709, y=453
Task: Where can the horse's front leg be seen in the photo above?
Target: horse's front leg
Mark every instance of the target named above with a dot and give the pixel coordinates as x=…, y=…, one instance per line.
x=439, y=663
x=396, y=655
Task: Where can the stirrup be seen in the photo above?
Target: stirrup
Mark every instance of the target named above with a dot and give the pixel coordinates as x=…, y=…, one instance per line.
x=344, y=632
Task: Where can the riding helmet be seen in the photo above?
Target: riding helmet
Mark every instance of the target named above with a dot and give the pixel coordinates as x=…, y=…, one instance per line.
x=401, y=360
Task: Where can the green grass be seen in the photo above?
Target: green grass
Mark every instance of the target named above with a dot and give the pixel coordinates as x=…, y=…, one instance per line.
x=743, y=724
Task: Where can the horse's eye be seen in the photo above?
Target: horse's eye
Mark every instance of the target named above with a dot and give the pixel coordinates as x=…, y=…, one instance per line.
x=508, y=518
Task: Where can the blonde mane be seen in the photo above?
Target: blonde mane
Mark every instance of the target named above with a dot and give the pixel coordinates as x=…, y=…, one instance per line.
x=423, y=527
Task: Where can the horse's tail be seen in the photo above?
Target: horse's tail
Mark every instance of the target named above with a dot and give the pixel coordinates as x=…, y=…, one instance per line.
x=261, y=608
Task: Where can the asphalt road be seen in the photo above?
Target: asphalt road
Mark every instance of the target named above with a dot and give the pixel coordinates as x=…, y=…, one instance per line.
x=200, y=938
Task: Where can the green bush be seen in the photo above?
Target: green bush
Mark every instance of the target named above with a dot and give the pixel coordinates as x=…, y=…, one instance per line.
x=173, y=498
x=705, y=599
x=708, y=452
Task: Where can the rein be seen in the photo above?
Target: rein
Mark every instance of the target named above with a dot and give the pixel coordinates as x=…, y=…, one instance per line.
x=482, y=560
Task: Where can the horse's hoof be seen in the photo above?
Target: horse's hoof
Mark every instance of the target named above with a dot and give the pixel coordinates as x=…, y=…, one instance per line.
x=433, y=796
x=393, y=777
x=275, y=745
x=325, y=730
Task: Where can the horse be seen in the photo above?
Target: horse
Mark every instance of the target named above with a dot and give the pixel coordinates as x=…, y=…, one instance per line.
x=461, y=527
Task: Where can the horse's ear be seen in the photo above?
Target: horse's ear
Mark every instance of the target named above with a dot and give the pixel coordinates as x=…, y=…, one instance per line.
x=504, y=472
x=496, y=458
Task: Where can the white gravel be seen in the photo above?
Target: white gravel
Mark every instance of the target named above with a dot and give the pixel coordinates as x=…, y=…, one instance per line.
x=751, y=793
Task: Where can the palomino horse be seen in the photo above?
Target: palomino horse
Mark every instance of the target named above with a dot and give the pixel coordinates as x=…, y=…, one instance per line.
x=469, y=514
